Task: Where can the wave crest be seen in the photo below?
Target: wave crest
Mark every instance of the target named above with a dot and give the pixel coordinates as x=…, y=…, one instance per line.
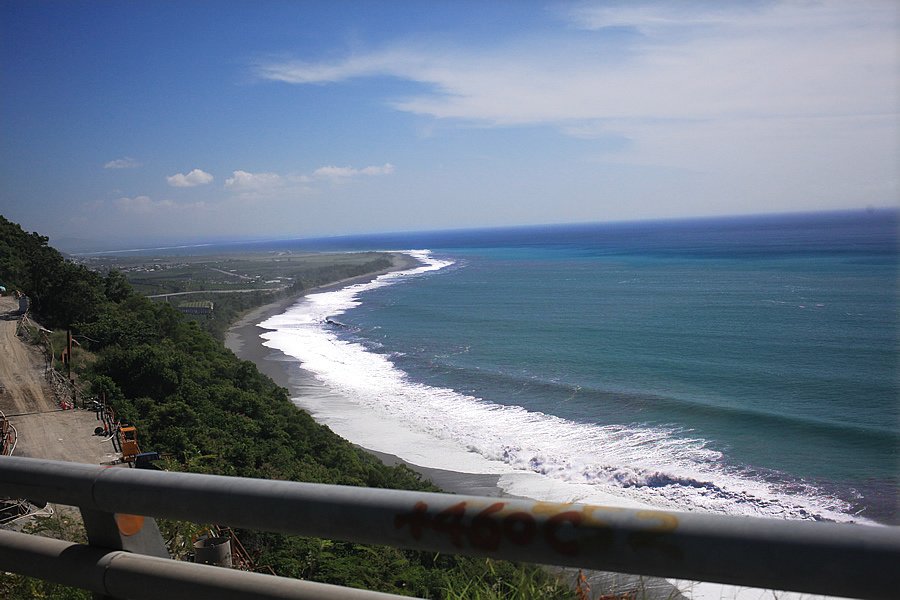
x=661, y=466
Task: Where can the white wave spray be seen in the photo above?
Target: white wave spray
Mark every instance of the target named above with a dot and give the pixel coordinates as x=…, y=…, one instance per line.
x=539, y=455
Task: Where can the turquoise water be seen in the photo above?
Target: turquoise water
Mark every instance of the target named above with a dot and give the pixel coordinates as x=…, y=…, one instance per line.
x=769, y=345
x=739, y=365
x=712, y=346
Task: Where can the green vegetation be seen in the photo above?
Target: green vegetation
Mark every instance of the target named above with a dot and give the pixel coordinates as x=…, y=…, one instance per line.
x=304, y=273
x=255, y=278
x=60, y=290
x=210, y=412
x=272, y=271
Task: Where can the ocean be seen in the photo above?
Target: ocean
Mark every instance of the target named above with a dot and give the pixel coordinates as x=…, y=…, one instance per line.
x=735, y=365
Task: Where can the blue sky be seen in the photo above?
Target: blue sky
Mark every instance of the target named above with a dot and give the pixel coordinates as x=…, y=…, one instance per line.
x=182, y=121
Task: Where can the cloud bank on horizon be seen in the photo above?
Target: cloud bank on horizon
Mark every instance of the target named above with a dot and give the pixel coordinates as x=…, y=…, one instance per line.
x=452, y=116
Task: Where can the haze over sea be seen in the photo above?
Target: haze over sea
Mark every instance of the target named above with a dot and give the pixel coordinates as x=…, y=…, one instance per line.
x=743, y=365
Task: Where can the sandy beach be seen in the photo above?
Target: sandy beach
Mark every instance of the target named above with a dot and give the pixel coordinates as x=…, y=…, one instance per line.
x=243, y=339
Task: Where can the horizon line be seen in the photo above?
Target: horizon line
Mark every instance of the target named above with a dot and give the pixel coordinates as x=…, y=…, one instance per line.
x=483, y=228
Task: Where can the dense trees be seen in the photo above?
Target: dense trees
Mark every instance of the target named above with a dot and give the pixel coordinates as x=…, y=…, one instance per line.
x=60, y=290
x=208, y=411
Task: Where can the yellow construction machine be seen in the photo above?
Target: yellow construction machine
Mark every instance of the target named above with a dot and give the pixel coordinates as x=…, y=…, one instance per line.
x=128, y=442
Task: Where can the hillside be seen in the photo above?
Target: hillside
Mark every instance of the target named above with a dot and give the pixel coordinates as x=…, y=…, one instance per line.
x=210, y=412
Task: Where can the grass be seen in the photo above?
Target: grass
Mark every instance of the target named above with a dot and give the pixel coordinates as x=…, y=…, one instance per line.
x=272, y=270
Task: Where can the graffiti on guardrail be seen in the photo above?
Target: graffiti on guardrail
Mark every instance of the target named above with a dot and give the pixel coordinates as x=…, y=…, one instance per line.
x=566, y=530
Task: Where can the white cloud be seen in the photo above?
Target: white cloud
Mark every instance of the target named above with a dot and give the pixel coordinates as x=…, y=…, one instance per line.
x=660, y=17
x=192, y=179
x=336, y=172
x=695, y=85
x=265, y=185
x=701, y=61
x=385, y=169
x=649, y=17
x=244, y=180
x=333, y=172
x=398, y=63
x=125, y=162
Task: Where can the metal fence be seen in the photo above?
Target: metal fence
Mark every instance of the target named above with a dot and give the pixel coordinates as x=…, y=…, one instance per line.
x=119, y=574
x=824, y=558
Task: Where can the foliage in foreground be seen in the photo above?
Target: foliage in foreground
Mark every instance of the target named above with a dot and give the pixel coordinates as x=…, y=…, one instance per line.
x=210, y=412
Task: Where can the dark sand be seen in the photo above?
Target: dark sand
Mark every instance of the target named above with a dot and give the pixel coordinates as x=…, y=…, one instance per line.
x=243, y=339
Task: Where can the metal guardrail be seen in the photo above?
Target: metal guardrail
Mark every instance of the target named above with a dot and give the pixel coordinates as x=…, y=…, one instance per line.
x=120, y=574
x=823, y=558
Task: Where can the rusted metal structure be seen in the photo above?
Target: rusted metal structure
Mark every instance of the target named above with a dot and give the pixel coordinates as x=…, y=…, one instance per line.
x=824, y=558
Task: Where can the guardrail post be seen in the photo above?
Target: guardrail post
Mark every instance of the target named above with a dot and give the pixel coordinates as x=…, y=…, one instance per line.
x=118, y=531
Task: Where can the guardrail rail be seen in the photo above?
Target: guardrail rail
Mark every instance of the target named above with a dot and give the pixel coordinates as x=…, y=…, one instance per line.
x=118, y=505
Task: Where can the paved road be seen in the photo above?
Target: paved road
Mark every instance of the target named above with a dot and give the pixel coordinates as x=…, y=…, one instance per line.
x=275, y=289
x=244, y=277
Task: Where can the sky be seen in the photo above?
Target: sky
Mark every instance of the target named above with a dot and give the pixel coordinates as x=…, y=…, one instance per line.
x=129, y=123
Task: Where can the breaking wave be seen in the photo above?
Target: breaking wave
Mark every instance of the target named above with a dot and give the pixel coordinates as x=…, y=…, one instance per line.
x=665, y=467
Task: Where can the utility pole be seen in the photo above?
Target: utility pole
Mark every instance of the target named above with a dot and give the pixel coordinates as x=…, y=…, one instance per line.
x=69, y=354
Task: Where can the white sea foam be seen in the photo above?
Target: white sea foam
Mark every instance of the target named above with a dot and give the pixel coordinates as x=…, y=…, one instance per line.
x=541, y=456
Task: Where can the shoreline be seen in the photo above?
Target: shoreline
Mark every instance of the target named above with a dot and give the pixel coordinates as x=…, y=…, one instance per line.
x=242, y=338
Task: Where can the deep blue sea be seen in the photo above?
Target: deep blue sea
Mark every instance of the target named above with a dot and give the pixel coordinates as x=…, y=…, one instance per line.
x=742, y=365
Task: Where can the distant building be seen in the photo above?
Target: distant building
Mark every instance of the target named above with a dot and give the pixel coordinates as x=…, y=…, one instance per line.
x=200, y=307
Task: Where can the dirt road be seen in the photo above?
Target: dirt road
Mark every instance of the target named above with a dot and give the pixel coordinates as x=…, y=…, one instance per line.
x=23, y=386
x=44, y=431
x=63, y=435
